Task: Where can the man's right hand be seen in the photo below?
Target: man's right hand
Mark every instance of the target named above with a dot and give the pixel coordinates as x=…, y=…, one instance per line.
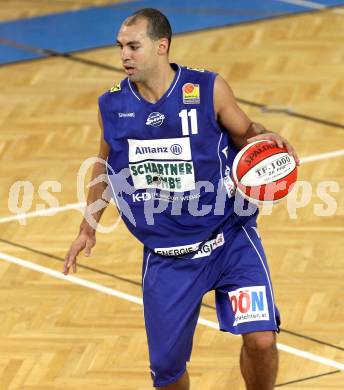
x=84, y=241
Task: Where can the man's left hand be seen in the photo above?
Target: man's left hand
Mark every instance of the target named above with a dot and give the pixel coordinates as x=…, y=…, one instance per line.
x=279, y=141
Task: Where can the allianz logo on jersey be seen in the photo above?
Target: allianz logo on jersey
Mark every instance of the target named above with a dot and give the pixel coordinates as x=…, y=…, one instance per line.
x=162, y=163
x=169, y=149
x=175, y=149
x=155, y=119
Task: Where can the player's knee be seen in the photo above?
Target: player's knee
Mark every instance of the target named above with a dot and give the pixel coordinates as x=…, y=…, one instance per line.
x=260, y=341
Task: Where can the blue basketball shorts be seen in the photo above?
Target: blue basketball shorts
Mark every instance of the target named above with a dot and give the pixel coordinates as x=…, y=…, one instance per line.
x=233, y=264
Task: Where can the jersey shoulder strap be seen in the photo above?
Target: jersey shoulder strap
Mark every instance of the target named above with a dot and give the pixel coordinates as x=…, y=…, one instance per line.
x=198, y=74
x=113, y=95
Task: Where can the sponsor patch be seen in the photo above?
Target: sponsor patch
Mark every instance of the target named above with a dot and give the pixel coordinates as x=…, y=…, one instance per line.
x=162, y=164
x=191, y=93
x=176, y=175
x=204, y=251
x=176, y=149
x=209, y=246
x=144, y=196
x=196, y=69
x=249, y=304
x=155, y=119
x=228, y=183
x=177, y=250
x=115, y=88
x=159, y=149
x=126, y=115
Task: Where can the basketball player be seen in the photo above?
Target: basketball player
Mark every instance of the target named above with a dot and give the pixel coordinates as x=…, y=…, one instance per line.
x=176, y=131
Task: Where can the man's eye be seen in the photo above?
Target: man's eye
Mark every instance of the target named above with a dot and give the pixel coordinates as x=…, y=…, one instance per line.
x=134, y=47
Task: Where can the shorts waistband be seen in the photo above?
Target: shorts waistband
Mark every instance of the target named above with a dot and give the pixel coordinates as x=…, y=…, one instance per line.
x=194, y=251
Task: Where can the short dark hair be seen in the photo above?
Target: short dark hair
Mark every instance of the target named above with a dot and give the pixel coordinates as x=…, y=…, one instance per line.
x=158, y=24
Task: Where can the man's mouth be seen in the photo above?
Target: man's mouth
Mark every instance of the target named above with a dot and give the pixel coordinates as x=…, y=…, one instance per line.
x=129, y=70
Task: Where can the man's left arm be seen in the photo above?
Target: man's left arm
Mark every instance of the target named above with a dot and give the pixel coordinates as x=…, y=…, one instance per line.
x=240, y=128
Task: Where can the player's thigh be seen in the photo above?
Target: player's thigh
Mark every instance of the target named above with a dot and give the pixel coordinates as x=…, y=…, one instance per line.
x=172, y=295
x=244, y=295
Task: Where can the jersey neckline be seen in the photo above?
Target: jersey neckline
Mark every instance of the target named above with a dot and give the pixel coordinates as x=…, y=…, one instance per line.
x=137, y=95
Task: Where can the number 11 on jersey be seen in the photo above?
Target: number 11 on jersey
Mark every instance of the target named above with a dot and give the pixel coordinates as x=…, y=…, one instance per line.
x=184, y=115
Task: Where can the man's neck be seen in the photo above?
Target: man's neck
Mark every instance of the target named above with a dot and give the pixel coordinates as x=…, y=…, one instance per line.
x=157, y=85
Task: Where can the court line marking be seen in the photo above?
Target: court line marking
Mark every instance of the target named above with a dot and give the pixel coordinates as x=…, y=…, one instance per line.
x=137, y=300
x=75, y=206
x=313, y=5
x=322, y=156
x=304, y=3
x=44, y=212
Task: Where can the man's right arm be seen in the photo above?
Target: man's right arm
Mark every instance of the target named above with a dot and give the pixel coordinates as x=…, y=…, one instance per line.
x=86, y=238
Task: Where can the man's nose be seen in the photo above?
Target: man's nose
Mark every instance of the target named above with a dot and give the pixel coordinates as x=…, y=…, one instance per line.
x=125, y=54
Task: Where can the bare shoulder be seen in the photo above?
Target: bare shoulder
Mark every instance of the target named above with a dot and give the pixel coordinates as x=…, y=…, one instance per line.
x=228, y=113
x=220, y=82
x=223, y=94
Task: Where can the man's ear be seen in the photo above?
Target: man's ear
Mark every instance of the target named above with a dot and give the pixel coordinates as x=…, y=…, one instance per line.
x=163, y=46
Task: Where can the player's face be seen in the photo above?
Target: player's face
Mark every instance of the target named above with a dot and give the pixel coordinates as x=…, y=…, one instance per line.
x=138, y=51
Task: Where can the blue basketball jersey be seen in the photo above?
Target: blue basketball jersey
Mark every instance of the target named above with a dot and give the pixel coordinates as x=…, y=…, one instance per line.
x=169, y=162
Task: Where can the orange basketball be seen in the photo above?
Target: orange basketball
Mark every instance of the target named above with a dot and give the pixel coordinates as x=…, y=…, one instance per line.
x=264, y=172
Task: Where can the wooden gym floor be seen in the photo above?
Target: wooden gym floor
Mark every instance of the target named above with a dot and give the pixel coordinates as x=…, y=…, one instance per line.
x=58, y=334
